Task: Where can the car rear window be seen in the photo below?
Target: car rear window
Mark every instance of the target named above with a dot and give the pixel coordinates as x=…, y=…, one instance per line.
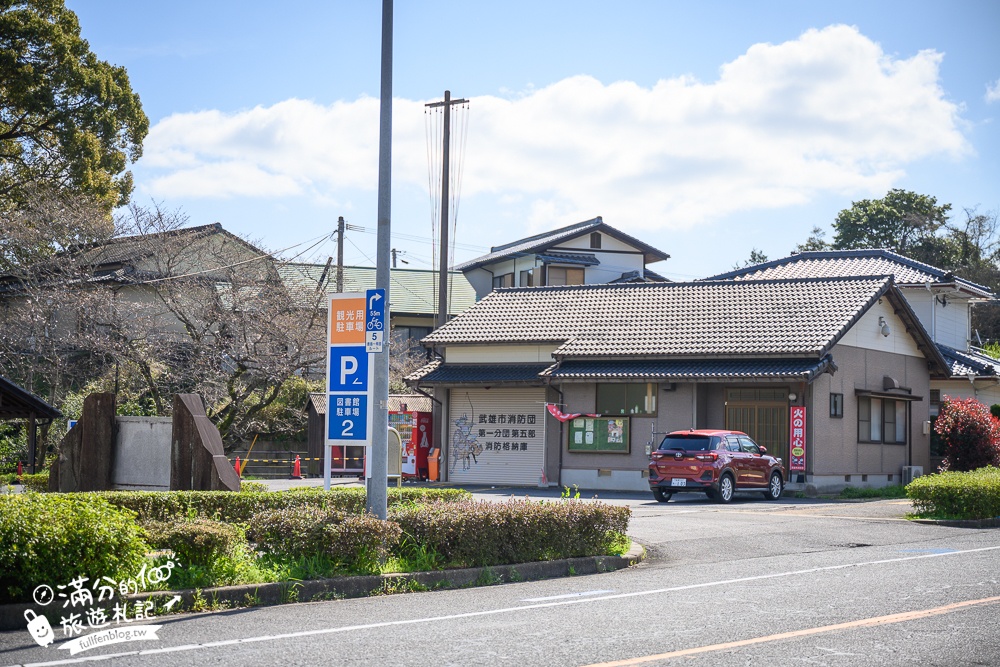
x=690, y=443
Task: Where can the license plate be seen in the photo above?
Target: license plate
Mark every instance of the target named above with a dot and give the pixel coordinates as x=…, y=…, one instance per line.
x=678, y=481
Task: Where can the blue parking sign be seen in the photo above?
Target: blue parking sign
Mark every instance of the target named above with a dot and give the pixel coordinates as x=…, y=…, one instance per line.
x=348, y=368
x=347, y=417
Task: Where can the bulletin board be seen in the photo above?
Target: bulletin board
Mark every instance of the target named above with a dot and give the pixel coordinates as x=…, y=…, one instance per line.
x=599, y=434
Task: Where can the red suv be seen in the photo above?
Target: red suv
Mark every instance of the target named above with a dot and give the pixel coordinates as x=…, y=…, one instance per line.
x=717, y=463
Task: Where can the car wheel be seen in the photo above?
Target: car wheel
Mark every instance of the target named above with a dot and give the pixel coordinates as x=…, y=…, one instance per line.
x=726, y=489
x=661, y=495
x=710, y=493
x=774, y=487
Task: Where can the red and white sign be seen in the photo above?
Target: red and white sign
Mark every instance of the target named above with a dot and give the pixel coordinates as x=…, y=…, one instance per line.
x=797, y=439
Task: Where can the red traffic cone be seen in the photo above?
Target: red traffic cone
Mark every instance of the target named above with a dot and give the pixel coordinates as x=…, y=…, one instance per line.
x=239, y=471
x=297, y=468
x=19, y=469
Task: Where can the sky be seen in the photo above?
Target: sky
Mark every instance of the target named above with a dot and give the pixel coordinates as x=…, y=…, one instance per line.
x=705, y=129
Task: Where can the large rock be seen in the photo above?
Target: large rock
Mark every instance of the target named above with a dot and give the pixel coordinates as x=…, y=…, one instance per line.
x=197, y=459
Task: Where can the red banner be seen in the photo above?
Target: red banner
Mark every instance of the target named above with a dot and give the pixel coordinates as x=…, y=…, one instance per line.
x=564, y=416
x=797, y=439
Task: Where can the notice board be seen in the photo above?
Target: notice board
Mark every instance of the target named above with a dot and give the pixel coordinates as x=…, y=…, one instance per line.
x=599, y=434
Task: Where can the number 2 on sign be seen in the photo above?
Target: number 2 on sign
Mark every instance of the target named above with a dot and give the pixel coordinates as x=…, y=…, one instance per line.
x=348, y=431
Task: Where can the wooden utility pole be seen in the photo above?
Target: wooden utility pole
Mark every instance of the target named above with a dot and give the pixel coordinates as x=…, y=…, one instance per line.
x=442, y=315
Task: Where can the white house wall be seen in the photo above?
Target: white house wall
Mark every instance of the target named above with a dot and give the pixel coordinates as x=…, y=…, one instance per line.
x=946, y=319
x=867, y=333
x=985, y=391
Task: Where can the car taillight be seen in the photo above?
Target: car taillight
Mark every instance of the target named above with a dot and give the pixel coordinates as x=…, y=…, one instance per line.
x=710, y=456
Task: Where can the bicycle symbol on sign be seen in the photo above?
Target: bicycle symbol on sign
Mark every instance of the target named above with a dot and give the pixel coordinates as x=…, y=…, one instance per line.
x=375, y=324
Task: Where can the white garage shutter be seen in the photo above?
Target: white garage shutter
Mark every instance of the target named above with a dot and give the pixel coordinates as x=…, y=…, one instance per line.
x=496, y=436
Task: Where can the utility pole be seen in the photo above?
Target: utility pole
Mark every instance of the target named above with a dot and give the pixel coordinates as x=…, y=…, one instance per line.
x=340, y=254
x=442, y=315
x=394, y=251
x=376, y=501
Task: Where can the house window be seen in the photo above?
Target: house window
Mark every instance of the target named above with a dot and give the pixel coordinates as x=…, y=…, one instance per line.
x=881, y=420
x=634, y=398
x=527, y=278
x=836, y=405
x=505, y=280
x=557, y=275
x=595, y=240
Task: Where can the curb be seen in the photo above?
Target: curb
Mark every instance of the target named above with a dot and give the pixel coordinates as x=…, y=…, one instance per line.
x=315, y=590
x=962, y=523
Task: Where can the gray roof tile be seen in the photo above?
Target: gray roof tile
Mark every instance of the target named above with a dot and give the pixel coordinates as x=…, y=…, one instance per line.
x=789, y=318
x=847, y=263
x=439, y=373
x=964, y=364
x=691, y=370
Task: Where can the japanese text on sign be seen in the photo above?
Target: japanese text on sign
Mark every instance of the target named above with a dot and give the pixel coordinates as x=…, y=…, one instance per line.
x=797, y=439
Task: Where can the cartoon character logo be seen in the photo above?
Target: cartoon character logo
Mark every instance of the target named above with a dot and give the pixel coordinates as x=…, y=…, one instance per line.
x=464, y=444
x=39, y=628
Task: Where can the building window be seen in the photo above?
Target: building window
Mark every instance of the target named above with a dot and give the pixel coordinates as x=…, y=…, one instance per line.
x=595, y=240
x=557, y=275
x=505, y=280
x=836, y=405
x=527, y=278
x=634, y=398
x=881, y=420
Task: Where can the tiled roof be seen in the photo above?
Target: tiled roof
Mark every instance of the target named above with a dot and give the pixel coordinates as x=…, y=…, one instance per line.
x=846, y=263
x=694, y=370
x=439, y=373
x=411, y=290
x=964, y=364
x=648, y=276
x=789, y=318
x=544, y=241
x=126, y=249
x=581, y=258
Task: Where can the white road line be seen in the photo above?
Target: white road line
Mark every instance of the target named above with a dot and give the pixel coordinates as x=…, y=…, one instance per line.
x=505, y=610
x=567, y=595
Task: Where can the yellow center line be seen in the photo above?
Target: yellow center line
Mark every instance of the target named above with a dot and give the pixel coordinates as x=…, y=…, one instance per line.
x=863, y=623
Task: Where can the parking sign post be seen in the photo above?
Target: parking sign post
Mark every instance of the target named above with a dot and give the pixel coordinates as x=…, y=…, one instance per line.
x=348, y=377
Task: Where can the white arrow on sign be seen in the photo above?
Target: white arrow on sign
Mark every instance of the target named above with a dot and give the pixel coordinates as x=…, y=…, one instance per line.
x=375, y=297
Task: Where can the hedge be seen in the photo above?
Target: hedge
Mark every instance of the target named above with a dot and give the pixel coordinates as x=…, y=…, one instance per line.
x=38, y=482
x=481, y=533
x=53, y=539
x=957, y=495
x=357, y=543
x=199, y=542
x=241, y=507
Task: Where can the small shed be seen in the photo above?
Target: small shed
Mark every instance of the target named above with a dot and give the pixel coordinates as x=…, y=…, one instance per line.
x=18, y=403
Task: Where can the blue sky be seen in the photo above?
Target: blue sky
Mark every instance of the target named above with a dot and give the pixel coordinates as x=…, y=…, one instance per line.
x=705, y=129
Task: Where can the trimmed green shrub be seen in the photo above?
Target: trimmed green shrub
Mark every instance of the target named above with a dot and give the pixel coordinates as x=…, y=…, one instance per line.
x=199, y=542
x=957, y=495
x=52, y=539
x=253, y=487
x=241, y=507
x=38, y=482
x=969, y=433
x=476, y=534
x=8, y=478
x=355, y=543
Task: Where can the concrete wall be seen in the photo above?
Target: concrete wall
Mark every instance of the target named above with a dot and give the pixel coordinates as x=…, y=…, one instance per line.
x=142, y=454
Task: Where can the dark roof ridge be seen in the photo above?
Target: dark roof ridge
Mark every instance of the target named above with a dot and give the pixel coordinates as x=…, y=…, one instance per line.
x=576, y=225
x=179, y=231
x=693, y=283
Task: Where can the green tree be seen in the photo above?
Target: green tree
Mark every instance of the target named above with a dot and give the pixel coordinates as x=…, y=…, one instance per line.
x=902, y=220
x=757, y=256
x=67, y=119
x=815, y=242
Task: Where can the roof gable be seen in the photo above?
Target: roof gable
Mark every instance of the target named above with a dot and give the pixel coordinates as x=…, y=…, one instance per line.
x=541, y=242
x=723, y=319
x=847, y=263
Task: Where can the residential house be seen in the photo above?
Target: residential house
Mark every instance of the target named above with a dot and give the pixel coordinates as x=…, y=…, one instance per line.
x=586, y=253
x=646, y=359
x=413, y=293
x=942, y=301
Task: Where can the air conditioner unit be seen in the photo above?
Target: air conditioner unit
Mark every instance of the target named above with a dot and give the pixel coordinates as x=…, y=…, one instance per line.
x=910, y=473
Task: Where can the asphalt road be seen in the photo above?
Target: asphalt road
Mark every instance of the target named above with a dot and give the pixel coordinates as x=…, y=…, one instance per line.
x=753, y=583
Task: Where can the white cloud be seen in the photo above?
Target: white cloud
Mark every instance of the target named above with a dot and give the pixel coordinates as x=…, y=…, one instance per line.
x=993, y=92
x=782, y=124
